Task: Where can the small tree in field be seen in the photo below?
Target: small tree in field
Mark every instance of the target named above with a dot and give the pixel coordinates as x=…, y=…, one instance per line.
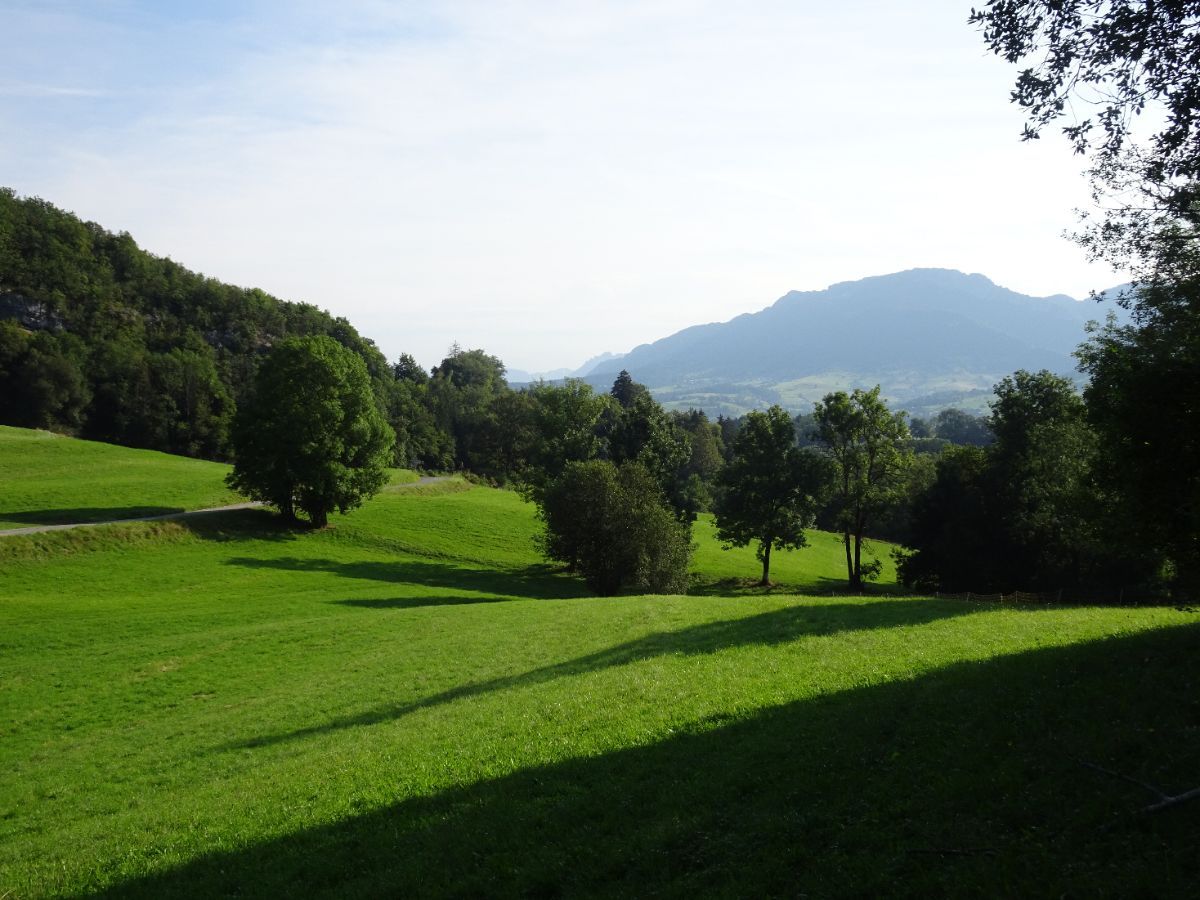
x=613, y=526
x=311, y=436
x=769, y=489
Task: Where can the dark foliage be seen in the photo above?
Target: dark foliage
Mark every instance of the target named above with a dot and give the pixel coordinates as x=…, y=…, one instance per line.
x=1101, y=64
x=1023, y=513
x=1105, y=62
x=1144, y=403
x=770, y=489
x=311, y=435
x=101, y=339
x=614, y=527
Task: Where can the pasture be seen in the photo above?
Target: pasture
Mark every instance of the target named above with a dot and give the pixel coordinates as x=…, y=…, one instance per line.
x=411, y=703
x=49, y=479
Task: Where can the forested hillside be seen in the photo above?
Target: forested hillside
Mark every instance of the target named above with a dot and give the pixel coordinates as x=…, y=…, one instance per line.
x=102, y=339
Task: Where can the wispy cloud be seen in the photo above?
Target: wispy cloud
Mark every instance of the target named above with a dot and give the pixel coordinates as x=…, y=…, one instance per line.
x=19, y=89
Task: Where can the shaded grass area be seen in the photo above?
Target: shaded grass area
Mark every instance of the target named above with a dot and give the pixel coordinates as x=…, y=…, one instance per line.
x=50, y=480
x=965, y=781
x=499, y=584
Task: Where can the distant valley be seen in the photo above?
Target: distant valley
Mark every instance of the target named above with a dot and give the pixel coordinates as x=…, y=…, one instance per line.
x=931, y=337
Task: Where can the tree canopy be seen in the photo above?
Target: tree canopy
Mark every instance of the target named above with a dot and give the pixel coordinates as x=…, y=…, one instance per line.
x=1101, y=64
x=867, y=444
x=1025, y=512
x=769, y=490
x=1143, y=399
x=102, y=339
x=311, y=436
x=1115, y=57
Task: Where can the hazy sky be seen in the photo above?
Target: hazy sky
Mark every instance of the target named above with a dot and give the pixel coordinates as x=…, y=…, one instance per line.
x=546, y=180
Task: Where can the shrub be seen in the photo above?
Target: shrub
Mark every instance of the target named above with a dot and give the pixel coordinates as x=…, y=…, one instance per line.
x=613, y=526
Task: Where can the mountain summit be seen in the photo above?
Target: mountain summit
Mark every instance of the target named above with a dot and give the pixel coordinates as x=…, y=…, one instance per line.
x=929, y=336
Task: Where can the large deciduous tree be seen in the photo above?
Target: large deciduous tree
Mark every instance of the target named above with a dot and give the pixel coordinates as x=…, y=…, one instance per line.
x=868, y=445
x=565, y=428
x=1101, y=64
x=461, y=392
x=637, y=428
x=1039, y=484
x=1144, y=402
x=768, y=492
x=311, y=435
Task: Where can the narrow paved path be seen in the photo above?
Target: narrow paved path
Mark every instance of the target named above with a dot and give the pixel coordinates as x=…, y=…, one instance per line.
x=38, y=529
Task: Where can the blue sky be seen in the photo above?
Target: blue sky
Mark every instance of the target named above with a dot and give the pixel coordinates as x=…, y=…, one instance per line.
x=544, y=180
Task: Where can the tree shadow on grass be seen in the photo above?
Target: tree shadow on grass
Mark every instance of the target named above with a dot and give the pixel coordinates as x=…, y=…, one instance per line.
x=821, y=585
x=777, y=626
x=538, y=581
x=417, y=602
x=962, y=782
x=83, y=514
x=242, y=525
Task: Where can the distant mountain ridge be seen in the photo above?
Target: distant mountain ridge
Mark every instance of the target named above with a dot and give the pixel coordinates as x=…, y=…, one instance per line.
x=934, y=334
x=520, y=376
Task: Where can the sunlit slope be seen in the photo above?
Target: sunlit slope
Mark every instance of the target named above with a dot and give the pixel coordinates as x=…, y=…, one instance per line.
x=411, y=703
x=497, y=528
x=47, y=479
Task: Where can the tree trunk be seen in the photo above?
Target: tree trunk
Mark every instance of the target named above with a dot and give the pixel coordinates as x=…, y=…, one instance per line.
x=856, y=575
x=849, y=560
x=288, y=510
x=766, y=558
x=320, y=517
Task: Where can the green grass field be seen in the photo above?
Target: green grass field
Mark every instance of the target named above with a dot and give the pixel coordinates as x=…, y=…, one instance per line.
x=49, y=479
x=411, y=704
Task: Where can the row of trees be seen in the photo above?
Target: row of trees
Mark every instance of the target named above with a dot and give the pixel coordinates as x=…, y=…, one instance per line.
x=1035, y=509
x=618, y=481
x=1090, y=493
x=853, y=469
x=1039, y=500
x=101, y=339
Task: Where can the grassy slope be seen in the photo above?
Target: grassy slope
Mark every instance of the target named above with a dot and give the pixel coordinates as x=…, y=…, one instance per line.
x=50, y=479
x=411, y=703
x=818, y=568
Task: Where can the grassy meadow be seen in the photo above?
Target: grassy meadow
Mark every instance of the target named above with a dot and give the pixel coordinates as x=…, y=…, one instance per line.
x=49, y=479
x=411, y=703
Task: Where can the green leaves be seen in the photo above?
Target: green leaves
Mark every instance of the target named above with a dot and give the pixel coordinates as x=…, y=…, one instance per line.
x=613, y=526
x=868, y=445
x=312, y=435
x=768, y=491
